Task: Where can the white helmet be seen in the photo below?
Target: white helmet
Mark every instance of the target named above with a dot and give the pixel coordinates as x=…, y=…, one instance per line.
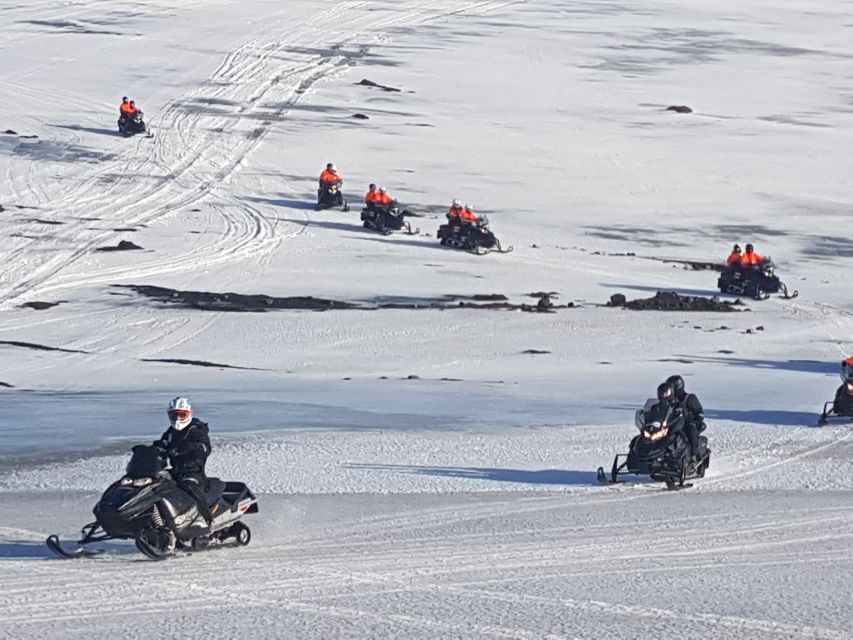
x=180, y=413
x=383, y=190
x=456, y=203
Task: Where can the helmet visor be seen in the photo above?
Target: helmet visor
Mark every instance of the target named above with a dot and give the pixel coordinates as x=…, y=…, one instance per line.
x=179, y=415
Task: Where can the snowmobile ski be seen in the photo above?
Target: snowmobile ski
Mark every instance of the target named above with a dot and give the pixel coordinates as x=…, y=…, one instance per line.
x=55, y=545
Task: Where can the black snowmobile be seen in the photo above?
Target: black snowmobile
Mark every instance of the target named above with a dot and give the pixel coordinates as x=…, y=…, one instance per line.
x=757, y=282
x=133, y=125
x=841, y=407
x=149, y=507
x=328, y=196
x=387, y=219
x=661, y=451
x=475, y=237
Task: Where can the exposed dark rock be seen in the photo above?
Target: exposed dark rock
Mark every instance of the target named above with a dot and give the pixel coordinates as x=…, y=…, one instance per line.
x=617, y=300
x=360, y=116
x=127, y=229
x=197, y=363
x=38, y=347
x=480, y=297
x=670, y=301
x=698, y=266
x=235, y=301
x=413, y=377
x=123, y=245
x=253, y=303
x=6, y=384
x=40, y=221
x=534, y=351
x=2, y=208
x=451, y=379
x=680, y=108
x=10, y=132
x=725, y=351
x=369, y=83
x=40, y=306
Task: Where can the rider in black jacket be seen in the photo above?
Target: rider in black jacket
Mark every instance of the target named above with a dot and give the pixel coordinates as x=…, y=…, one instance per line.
x=694, y=422
x=187, y=444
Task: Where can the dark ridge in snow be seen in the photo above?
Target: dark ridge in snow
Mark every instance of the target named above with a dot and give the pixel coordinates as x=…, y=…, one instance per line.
x=42, y=221
x=38, y=347
x=198, y=363
x=6, y=385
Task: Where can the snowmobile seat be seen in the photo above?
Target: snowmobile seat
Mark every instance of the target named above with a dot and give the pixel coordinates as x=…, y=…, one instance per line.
x=215, y=488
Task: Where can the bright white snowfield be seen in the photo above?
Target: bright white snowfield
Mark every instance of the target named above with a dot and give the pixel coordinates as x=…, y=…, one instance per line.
x=420, y=473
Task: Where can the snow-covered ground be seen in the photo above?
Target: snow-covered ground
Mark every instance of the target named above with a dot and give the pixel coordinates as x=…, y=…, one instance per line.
x=421, y=473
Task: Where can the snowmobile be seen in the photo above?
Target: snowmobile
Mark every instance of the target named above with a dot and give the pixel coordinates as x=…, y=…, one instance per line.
x=756, y=282
x=387, y=219
x=661, y=450
x=329, y=195
x=841, y=407
x=147, y=505
x=475, y=237
x=133, y=125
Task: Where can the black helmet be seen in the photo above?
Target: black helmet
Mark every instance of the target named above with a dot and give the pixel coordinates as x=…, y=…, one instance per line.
x=124, y=99
x=371, y=186
x=749, y=248
x=677, y=383
x=666, y=392
x=736, y=248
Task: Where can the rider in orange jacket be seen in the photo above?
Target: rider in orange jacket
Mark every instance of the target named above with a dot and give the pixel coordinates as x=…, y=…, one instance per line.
x=750, y=258
x=330, y=176
x=735, y=256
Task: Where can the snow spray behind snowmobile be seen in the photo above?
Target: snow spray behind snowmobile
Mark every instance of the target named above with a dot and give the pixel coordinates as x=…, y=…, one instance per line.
x=475, y=237
x=661, y=451
x=756, y=282
x=387, y=219
x=147, y=505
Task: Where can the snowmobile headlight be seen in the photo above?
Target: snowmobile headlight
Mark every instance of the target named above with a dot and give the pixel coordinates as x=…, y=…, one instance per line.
x=126, y=481
x=656, y=434
x=142, y=482
x=850, y=387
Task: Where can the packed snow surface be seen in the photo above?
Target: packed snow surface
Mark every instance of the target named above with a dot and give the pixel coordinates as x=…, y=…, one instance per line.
x=428, y=472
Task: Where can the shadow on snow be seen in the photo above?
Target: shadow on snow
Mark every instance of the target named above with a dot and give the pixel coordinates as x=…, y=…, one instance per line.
x=521, y=476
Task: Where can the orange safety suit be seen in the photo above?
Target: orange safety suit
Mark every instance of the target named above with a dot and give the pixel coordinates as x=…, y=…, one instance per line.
x=330, y=177
x=733, y=259
x=124, y=108
x=370, y=197
x=455, y=212
x=469, y=216
x=751, y=258
x=382, y=198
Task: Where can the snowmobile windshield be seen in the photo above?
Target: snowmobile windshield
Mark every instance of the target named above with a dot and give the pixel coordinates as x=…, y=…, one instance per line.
x=146, y=461
x=659, y=414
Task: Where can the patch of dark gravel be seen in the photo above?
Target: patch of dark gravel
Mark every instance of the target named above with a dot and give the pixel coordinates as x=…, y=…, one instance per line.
x=238, y=302
x=670, y=301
